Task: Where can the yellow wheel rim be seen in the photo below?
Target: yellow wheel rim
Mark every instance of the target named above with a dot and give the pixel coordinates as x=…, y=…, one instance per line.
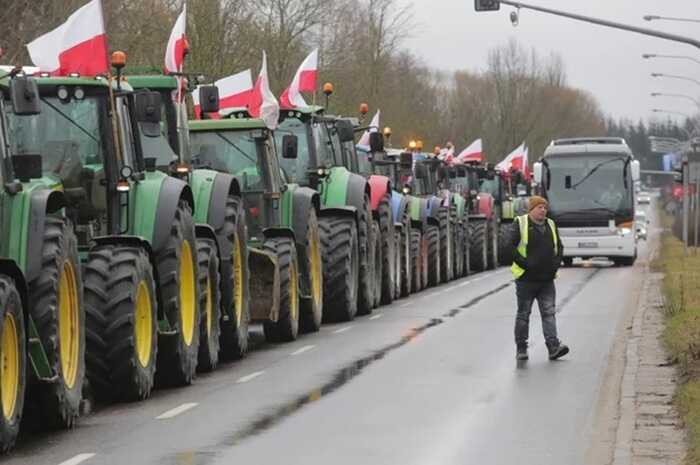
x=237, y=280
x=188, y=303
x=293, y=291
x=69, y=324
x=9, y=366
x=316, y=271
x=209, y=307
x=143, y=327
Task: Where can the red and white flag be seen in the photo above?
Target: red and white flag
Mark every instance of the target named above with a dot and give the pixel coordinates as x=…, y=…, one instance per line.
x=516, y=159
x=263, y=103
x=305, y=80
x=177, y=44
x=473, y=153
x=77, y=46
x=373, y=127
x=234, y=92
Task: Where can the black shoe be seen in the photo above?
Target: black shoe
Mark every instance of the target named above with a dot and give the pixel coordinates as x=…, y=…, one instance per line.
x=522, y=354
x=558, y=351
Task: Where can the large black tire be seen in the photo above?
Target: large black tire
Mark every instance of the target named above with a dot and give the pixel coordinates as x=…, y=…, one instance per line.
x=466, y=246
x=341, y=268
x=446, y=237
x=286, y=328
x=432, y=237
x=378, y=265
x=235, y=311
x=311, y=271
x=56, y=306
x=210, y=305
x=493, y=232
x=624, y=261
x=13, y=362
x=457, y=250
x=478, y=245
x=416, y=261
x=404, y=254
x=121, y=307
x=505, y=247
x=388, y=250
x=178, y=287
x=365, y=236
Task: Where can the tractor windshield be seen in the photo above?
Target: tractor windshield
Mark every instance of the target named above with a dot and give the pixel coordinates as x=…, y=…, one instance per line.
x=67, y=135
x=297, y=170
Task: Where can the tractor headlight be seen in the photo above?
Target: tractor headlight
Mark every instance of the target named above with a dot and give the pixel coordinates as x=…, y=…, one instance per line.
x=406, y=190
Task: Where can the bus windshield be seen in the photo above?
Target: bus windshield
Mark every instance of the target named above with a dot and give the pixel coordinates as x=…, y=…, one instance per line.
x=590, y=183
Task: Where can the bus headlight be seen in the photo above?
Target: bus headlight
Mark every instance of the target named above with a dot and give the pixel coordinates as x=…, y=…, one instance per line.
x=625, y=228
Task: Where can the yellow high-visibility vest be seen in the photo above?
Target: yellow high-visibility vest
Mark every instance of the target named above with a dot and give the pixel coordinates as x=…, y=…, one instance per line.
x=522, y=246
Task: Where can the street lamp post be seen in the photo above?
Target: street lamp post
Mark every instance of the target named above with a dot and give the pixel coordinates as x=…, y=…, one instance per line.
x=647, y=56
x=673, y=76
x=670, y=18
x=687, y=97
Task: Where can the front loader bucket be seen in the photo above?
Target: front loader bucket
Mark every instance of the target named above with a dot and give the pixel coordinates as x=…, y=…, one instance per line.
x=264, y=285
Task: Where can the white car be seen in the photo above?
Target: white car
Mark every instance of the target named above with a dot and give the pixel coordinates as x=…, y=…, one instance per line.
x=643, y=198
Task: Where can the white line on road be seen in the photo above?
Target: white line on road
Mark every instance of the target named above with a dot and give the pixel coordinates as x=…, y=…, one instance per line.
x=177, y=411
x=80, y=458
x=249, y=377
x=464, y=283
x=342, y=330
x=407, y=304
x=303, y=349
x=376, y=317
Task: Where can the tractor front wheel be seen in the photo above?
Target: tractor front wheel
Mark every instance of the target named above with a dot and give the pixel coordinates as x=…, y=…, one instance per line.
x=388, y=251
x=416, y=261
x=312, y=270
x=210, y=303
x=341, y=268
x=286, y=328
x=478, y=245
x=13, y=362
x=432, y=237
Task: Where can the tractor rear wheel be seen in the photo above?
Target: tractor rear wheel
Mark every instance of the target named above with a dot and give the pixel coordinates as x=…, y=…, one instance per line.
x=505, y=248
x=286, y=328
x=404, y=254
x=311, y=261
x=457, y=253
x=179, y=290
x=388, y=250
x=432, y=237
x=341, y=268
x=122, y=322
x=210, y=304
x=478, y=245
x=416, y=262
x=235, y=314
x=365, y=236
x=55, y=305
x=13, y=362
x=378, y=265
x=493, y=234
x=446, y=236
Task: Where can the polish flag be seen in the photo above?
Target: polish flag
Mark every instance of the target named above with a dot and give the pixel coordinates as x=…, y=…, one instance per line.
x=516, y=159
x=473, y=153
x=373, y=127
x=234, y=92
x=263, y=103
x=177, y=44
x=304, y=81
x=77, y=46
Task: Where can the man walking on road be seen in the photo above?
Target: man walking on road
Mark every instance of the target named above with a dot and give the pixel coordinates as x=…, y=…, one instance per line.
x=537, y=253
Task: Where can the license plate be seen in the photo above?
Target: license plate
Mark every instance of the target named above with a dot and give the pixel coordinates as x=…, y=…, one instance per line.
x=588, y=245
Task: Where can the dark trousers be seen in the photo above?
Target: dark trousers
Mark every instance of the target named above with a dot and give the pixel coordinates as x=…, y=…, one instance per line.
x=545, y=294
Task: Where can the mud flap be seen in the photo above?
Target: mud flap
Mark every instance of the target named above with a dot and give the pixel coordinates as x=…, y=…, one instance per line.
x=264, y=285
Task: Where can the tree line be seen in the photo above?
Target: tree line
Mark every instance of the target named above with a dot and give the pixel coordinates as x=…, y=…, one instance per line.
x=519, y=96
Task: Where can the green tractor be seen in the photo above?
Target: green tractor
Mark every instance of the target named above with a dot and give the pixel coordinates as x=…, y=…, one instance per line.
x=42, y=319
x=220, y=222
x=134, y=225
x=350, y=234
x=513, y=193
x=283, y=222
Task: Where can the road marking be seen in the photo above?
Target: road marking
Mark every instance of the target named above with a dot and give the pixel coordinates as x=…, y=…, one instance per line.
x=376, y=317
x=464, y=283
x=342, y=330
x=249, y=377
x=407, y=304
x=177, y=411
x=451, y=288
x=80, y=458
x=303, y=349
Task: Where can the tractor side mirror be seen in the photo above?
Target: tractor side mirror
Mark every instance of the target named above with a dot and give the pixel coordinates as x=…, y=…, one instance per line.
x=346, y=133
x=376, y=142
x=406, y=161
x=537, y=172
x=24, y=94
x=208, y=99
x=27, y=166
x=290, y=147
x=636, y=170
x=147, y=109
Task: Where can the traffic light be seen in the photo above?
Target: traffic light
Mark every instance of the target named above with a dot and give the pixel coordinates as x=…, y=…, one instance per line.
x=487, y=5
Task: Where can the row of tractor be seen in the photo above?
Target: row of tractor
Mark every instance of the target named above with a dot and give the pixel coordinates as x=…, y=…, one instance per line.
x=137, y=247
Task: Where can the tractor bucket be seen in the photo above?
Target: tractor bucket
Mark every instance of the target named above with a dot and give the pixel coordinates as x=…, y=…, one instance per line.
x=264, y=287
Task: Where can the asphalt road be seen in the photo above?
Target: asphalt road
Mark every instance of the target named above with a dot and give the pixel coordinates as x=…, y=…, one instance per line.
x=428, y=380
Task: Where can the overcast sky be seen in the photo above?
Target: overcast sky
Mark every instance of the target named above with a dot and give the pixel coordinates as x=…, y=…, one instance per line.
x=606, y=62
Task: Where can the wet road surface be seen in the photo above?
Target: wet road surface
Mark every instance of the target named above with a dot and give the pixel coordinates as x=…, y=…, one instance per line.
x=428, y=380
